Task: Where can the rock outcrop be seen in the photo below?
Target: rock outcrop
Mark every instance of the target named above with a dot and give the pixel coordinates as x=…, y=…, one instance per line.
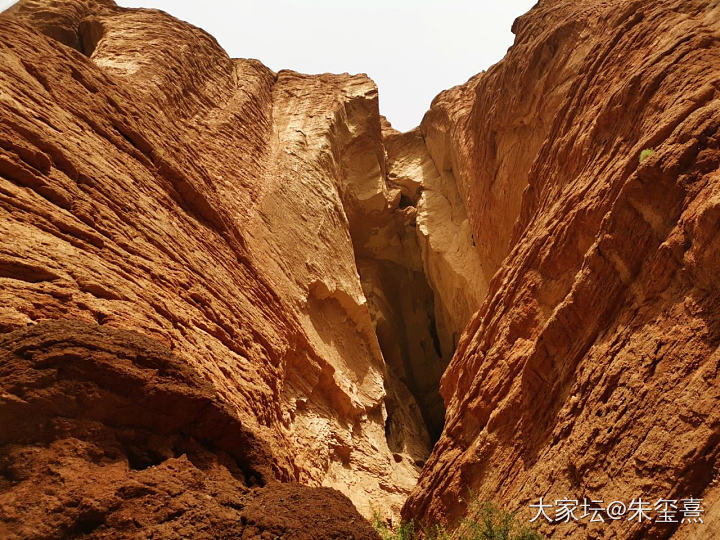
x=591, y=368
x=229, y=297
x=108, y=434
x=260, y=226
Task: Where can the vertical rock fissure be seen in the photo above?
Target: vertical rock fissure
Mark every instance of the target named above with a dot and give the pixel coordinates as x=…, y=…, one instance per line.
x=382, y=183
x=435, y=298
x=402, y=312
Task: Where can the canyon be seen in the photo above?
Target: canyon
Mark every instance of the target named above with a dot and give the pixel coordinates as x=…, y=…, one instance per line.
x=237, y=303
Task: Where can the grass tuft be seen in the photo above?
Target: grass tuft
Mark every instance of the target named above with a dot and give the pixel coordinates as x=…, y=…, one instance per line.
x=484, y=521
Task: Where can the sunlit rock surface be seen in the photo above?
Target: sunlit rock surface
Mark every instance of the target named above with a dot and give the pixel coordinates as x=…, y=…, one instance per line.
x=238, y=217
x=591, y=368
x=235, y=302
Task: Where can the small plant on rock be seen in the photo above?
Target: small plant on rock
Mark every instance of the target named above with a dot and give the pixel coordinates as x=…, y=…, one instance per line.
x=406, y=530
x=487, y=521
x=646, y=154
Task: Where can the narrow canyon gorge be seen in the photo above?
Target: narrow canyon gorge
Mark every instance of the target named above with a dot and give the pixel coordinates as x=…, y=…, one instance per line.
x=236, y=303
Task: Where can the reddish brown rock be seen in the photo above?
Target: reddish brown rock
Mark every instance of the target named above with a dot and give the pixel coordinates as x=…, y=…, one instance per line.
x=108, y=434
x=150, y=183
x=590, y=369
x=223, y=287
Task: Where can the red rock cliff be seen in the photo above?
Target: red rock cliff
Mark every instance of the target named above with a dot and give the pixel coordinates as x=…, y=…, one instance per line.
x=237, y=223
x=591, y=368
x=222, y=288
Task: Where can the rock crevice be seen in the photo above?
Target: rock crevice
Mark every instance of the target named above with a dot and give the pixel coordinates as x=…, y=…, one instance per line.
x=217, y=281
x=261, y=226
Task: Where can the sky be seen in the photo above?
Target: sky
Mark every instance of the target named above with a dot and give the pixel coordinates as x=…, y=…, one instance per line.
x=412, y=49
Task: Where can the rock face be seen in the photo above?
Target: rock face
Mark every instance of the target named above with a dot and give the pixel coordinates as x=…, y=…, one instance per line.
x=107, y=433
x=258, y=226
x=591, y=368
x=225, y=290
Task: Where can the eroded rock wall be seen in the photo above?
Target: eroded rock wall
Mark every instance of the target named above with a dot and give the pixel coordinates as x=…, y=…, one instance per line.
x=240, y=218
x=590, y=369
x=323, y=202
x=107, y=434
x=253, y=278
x=451, y=261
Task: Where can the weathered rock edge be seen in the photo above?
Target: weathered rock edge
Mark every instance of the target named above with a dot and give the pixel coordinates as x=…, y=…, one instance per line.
x=591, y=368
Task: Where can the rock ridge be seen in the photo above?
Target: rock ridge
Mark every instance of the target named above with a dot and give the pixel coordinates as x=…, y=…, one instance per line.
x=590, y=368
x=255, y=224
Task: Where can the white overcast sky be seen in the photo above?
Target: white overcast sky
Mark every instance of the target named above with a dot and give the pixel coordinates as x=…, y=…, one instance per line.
x=412, y=49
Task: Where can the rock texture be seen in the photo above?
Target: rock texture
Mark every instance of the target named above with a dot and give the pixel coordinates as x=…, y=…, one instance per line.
x=242, y=219
x=226, y=291
x=591, y=368
x=452, y=263
x=108, y=434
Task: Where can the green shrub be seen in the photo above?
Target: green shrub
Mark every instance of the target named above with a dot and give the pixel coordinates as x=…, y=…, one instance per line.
x=484, y=521
x=646, y=154
x=406, y=530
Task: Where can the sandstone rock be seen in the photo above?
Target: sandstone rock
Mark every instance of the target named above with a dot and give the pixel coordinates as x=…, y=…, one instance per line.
x=108, y=434
x=451, y=260
x=591, y=368
x=152, y=184
x=222, y=288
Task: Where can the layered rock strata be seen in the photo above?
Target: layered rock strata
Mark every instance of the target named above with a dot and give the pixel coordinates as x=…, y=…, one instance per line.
x=257, y=226
x=218, y=282
x=108, y=434
x=590, y=369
